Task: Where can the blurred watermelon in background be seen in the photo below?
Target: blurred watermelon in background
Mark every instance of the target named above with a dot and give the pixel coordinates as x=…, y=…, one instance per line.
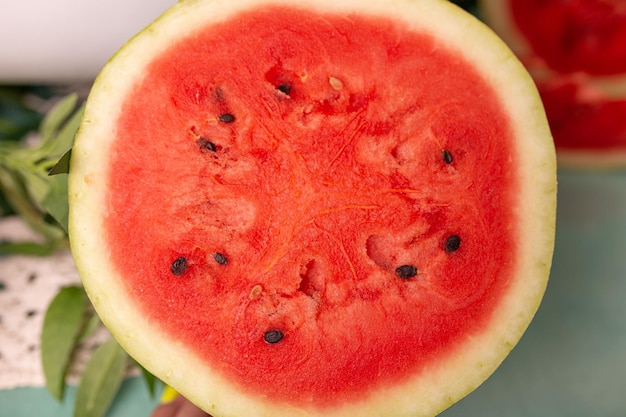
x=576, y=51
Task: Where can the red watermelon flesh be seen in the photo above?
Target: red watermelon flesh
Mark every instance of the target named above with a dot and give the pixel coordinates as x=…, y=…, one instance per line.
x=331, y=209
x=575, y=35
x=295, y=199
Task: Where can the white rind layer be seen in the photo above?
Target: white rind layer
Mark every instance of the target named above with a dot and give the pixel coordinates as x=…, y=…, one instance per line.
x=425, y=395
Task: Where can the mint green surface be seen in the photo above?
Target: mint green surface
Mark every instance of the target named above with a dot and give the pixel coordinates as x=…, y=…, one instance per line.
x=133, y=401
x=570, y=363
x=572, y=360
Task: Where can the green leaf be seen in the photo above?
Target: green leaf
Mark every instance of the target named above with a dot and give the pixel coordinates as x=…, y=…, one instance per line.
x=37, y=184
x=53, y=120
x=64, y=140
x=61, y=327
x=91, y=325
x=101, y=380
x=56, y=202
x=15, y=194
x=27, y=248
x=63, y=165
x=5, y=207
x=150, y=380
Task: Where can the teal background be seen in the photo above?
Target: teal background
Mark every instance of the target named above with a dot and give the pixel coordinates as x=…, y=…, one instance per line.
x=134, y=400
x=572, y=360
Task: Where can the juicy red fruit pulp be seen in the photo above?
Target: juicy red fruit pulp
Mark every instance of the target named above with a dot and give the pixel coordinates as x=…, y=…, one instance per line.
x=314, y=204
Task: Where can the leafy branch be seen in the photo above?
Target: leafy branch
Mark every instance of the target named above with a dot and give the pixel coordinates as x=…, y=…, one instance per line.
x=38, y=198
x=33, y=183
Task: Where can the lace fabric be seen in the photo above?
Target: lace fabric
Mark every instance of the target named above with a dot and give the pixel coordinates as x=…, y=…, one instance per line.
x=27, y=286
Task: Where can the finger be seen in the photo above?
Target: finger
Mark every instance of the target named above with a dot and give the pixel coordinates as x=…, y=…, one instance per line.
x=188, y=409
x=169, y=409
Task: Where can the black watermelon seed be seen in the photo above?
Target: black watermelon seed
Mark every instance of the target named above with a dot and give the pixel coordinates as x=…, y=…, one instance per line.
x=179, y=266
x=273, y=336
x=446, y=156
x=226, y=118
x=206, y=145
x=284, y=88
x=453, y=243
x=220, y=259
x=406, y=271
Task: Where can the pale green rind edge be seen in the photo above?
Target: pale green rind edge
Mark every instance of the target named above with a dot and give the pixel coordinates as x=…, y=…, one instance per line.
x=176, y=365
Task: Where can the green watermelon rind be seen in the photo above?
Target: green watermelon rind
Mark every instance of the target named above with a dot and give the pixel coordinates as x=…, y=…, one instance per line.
x=426, y=394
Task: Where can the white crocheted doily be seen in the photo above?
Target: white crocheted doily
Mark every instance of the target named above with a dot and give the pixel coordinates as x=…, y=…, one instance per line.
x=27, y=285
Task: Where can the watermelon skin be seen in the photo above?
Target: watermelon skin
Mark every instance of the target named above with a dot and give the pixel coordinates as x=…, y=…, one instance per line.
x=524, y=178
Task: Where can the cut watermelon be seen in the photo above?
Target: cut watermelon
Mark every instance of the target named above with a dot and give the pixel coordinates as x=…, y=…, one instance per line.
x=332, y=209
x=566, y=36
x=576, y=51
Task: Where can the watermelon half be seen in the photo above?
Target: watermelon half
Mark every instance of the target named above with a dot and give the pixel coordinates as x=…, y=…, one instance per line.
x=330, y=208
x=576, y=52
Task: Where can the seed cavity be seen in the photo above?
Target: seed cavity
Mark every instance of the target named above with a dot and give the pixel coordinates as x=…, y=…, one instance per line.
x=206, y=145
x=335, y=83
x=446, y=156
x=406, y=271
x=220, y=258
x=256, y=292
x=453, y=243
x=273, y=336
x=179, y=266
x=284, y=88
x=310, y=278
x=226, y=118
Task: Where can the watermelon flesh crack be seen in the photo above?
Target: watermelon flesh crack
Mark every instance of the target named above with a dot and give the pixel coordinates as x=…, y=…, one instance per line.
x=300, y=176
